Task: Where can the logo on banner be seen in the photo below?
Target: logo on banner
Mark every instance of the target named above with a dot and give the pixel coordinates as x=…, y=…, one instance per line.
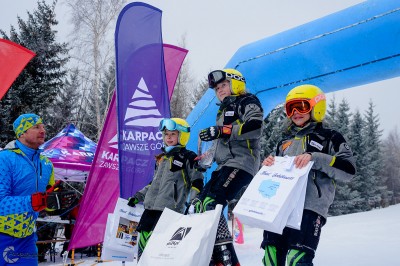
x=113, y=143
x=179, y=235
x=142, y=111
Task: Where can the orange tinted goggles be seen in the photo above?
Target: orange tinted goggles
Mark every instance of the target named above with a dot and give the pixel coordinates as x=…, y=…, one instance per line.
x=302, y=106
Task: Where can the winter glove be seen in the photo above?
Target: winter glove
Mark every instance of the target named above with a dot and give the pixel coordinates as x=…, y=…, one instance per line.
x=215, y=132
x=60, y=200
x=132, y=201
x=194, y=206
x=39, y=201
x=193, y=193
x=197, y=165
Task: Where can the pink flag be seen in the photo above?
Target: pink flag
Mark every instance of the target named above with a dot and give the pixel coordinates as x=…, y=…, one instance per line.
x=13, y=59
x=102, y=189
x=173, y=59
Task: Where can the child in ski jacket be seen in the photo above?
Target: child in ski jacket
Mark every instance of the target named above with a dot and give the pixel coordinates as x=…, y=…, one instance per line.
x=237, y=135
x=308, y=140
x=175, y=176
x=24, y=176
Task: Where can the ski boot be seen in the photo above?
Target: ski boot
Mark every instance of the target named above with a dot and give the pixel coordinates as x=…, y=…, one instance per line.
x=224, y=255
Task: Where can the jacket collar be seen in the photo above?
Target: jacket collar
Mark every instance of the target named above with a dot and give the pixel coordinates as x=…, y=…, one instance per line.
x=173, y=150
x=26, y=150
x=302, y=131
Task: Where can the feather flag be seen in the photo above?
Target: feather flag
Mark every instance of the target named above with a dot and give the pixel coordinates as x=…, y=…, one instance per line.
x=142, y=93
x=13, y=59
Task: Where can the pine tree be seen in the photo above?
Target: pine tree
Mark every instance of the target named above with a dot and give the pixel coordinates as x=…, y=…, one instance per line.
x=274, y=125
x=391, y=165
x=42, y=79
x=356, y=142
x=65, y=108
x=331, y=114
x=340, y=121
x=374, y=186
x=343, y=117
x=348, y=197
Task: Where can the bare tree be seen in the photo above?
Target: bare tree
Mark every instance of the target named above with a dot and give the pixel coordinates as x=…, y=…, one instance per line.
x=186, y=92
x=93, y=26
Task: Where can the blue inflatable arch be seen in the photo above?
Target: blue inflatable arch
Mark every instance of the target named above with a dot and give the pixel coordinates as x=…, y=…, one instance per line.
x=355, y=46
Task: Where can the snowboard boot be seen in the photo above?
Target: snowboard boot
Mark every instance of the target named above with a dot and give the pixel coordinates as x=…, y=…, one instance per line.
x=225, y=255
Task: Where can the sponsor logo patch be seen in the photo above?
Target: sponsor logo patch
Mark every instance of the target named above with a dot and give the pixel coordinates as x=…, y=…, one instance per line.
x=316, y=145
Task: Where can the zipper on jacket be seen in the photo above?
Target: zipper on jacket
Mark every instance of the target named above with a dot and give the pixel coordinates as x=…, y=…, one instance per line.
x=316, y=184
x=175, y=193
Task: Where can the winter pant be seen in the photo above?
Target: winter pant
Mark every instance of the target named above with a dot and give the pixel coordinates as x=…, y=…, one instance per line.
x=222, y=188
x=143, y=239
x=18, y=251
x=296, y=247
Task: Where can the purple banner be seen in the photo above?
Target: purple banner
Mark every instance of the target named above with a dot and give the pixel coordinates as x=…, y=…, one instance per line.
x=142, y=94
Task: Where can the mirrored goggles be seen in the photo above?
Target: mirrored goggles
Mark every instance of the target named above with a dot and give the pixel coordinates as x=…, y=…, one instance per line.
x=302, y=106
x=169, y=124
x=217, y=76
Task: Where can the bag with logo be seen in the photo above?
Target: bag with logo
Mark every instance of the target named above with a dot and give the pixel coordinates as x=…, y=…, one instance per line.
x=181, y=239
x=276, y=193
x=121, y=234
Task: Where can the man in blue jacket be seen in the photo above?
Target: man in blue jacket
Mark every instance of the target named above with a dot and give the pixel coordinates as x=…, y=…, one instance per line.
x=24, y=177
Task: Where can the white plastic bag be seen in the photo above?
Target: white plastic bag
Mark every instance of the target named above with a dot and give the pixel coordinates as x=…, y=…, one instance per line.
x=206, y=152
x=294, y=220
x=181, y=239
x=120, y=234
x=272, y=195
x=107, y=253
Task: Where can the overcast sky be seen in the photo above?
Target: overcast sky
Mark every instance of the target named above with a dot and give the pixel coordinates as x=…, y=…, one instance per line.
x=214, y=30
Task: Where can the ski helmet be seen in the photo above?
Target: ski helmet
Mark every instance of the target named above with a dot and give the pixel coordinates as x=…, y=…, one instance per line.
x=178, y=124
x=306, y=99
x=236, y=79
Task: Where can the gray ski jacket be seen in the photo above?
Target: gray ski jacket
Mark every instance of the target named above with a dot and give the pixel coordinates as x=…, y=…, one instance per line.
x=242, y=149
x=333, y=160
x=174, y=176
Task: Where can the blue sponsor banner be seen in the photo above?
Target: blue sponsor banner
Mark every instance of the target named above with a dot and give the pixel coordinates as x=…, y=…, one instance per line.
x=142, y=94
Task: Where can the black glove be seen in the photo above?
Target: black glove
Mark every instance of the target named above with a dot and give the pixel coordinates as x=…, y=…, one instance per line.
x=215, y=132
x=60, y=200
x=198, y=167
x=132, y=201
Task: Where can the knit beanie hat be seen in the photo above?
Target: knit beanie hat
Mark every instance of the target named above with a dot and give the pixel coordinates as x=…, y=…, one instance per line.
x=25, y=122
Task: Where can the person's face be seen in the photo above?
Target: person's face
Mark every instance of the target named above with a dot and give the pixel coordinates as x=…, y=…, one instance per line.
x=34, y=136
x=171, y=137
x=223, y=90
x=300, y=119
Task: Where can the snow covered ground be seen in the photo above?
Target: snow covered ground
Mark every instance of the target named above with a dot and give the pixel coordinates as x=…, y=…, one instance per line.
x=368, y=239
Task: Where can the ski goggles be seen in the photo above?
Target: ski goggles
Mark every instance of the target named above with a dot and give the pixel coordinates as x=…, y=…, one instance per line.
x=169, y=124
x=302, y=106
x=217, y=76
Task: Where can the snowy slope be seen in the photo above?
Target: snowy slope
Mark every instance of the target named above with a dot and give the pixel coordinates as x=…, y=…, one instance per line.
x=367, y=239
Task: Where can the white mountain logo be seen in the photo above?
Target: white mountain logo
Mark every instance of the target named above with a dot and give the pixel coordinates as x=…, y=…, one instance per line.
x=142, y=111
x=114, y=142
